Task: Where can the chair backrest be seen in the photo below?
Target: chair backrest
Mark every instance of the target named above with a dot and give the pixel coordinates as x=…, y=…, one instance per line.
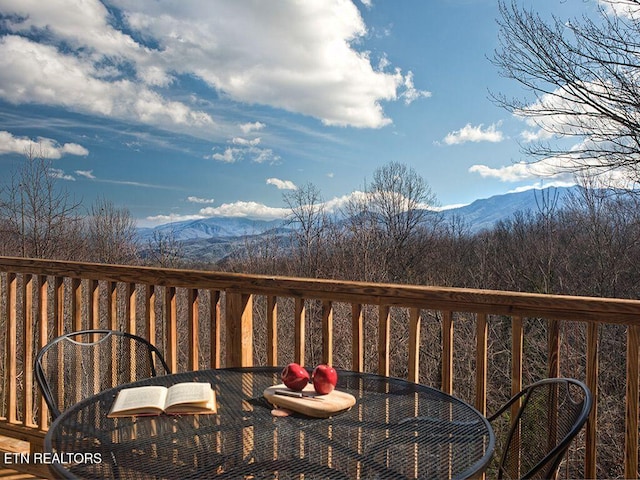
x=77, y=365
x=550, y=414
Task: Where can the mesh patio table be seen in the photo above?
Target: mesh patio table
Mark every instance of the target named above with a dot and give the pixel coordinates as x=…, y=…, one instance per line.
x=396, y=430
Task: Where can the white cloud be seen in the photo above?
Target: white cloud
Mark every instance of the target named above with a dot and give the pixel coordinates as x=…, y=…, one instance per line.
x=199, y=200
x=60, y=174
x=517, y=172
x=245, y=149
x=245, y=142
x=469, y=133
x=48, y=147
x=281, y=184
x=86, y=174
x=624, y=8
x=296, y=56
x=245, y=209
x=410, y=93
x=230, y=155
x=35, y=73
x=251, y=127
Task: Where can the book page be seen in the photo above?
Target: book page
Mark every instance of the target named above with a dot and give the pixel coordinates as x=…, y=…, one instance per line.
x=140, y=398
x=188, y=392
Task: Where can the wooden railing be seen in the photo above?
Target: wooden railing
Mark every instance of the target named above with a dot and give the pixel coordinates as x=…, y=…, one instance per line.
x=210, y=319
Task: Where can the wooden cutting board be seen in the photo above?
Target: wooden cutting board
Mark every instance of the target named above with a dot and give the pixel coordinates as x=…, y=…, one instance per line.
x=314, y=405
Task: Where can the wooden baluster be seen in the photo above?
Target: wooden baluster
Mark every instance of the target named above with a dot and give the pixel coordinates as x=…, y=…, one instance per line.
x=631, y=410
x=272, y=330
x=214, y=329
x=327, y=332
x=42, y=320
x=93, y=302
x=193, y=329
x=239, y=326
x=447, y=352
x=150, y=312
x=130, y=322
x=554, y=349
x=517, y=342
x=76, y=304
x=415, y=320
x=58, y=322
x=11, y=343
x=384, y=333
x=592, y=383
x=357, y=338
x=482, y=332
x=28, y=335
x=130, y=308
x=299, y=319
x=112, y=306
x=170, y=312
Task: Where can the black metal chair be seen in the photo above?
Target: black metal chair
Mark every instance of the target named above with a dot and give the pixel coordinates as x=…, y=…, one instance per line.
x=550, y=414
x=79, y=364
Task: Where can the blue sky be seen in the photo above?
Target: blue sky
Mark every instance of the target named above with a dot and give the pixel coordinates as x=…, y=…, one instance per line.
x=197, y=108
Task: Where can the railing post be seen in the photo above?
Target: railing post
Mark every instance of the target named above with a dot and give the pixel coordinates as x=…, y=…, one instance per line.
x=631, y=430
x=239, y=322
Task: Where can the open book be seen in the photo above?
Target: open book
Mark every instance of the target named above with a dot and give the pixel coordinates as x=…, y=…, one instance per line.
x=188, y=397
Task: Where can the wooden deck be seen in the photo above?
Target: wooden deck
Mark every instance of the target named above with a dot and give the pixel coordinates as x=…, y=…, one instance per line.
x=12, y=445
x=205, y=319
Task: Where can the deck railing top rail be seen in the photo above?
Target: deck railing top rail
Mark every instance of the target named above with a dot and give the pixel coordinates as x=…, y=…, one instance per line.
x=561, y=307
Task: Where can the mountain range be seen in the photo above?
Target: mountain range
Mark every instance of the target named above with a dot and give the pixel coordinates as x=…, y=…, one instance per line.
x=210, y=239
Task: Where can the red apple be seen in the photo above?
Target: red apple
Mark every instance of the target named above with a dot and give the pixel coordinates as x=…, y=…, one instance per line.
x=324, y=379
x=295, y=377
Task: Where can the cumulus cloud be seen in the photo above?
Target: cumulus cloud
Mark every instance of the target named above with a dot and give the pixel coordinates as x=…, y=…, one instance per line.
x=35, y=73
x=48, y=147
x=469, y=133
x=303, y=57
x=281, y=184
x=548, y=168
x=245, y=209
x=624, y=8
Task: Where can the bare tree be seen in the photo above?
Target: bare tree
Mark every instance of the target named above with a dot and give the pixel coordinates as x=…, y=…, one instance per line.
x=39, y=216
x=584, y=76
x=401, y=204
x=309, y=218
x=164, y=250
x=111, y=234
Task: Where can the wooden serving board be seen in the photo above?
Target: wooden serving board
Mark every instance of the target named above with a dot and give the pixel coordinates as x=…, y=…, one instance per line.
x=314, y=405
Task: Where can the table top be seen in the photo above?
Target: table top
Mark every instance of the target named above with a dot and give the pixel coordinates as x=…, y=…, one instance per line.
x=396, y=429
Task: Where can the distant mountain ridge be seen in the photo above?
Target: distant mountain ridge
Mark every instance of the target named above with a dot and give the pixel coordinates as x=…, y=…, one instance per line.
x=213, y=238
x=214, y=227
x=484, y=213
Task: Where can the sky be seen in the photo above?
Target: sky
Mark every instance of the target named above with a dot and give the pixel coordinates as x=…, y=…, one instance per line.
x=201, y=108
